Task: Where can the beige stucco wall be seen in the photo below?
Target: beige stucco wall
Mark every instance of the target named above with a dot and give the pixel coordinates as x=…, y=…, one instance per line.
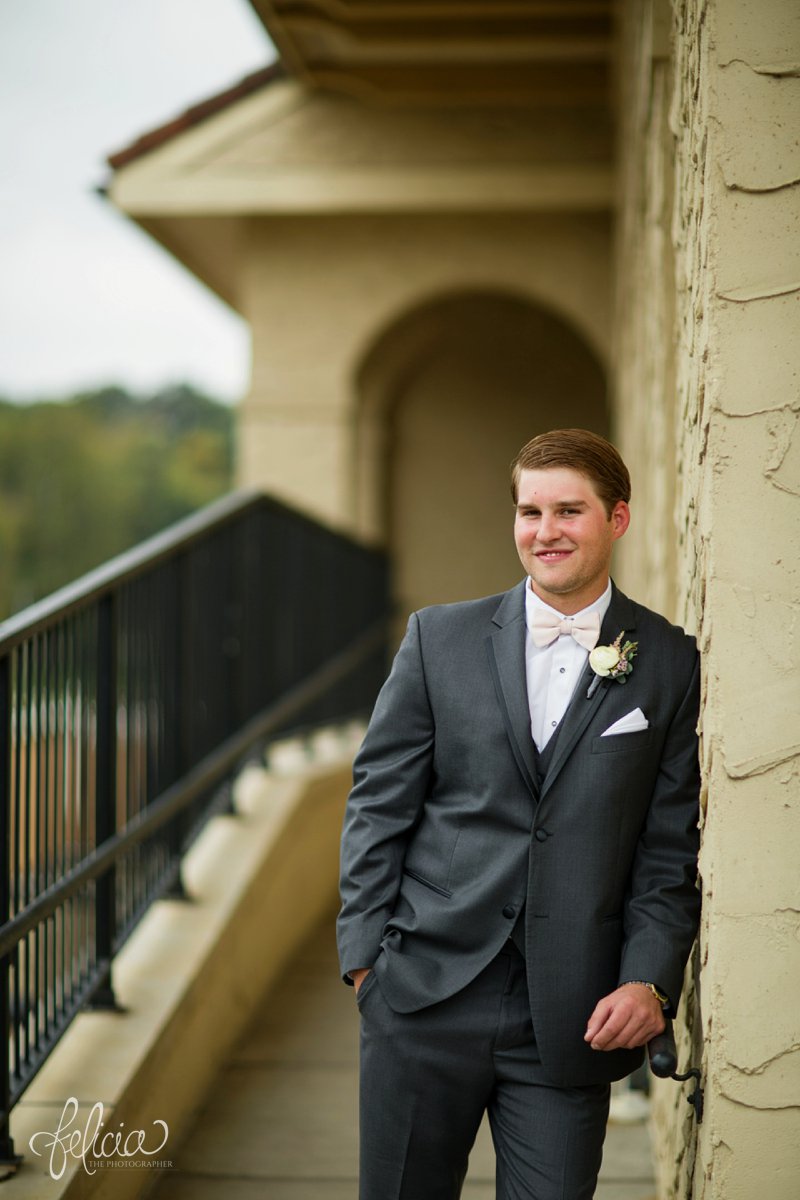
x=400, y=362
x=287, y=151
x=319, y=292
x=725, y=114
x=493, y=373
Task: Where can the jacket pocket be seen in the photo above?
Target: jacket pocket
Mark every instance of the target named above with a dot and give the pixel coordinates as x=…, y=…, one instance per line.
x=434, y=887
x=616, y=742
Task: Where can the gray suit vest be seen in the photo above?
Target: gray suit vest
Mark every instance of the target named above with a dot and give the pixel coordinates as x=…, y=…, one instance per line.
x=543, y=759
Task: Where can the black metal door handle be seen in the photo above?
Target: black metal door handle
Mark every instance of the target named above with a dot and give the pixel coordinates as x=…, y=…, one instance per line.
x=663, y=1057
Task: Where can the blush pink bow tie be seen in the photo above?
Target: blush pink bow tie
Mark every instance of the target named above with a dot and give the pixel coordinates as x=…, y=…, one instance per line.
x=547, y=627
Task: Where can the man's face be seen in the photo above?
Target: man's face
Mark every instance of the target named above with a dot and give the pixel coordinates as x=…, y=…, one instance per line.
x=564, y=536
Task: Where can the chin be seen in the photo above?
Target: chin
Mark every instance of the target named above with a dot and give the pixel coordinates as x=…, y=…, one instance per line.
x=554, y=581
x=557, y=589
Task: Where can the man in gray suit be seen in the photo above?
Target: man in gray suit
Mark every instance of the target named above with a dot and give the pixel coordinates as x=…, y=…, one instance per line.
x=519, y=853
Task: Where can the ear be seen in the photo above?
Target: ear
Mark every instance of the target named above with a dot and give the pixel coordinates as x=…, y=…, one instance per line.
x=620, y=519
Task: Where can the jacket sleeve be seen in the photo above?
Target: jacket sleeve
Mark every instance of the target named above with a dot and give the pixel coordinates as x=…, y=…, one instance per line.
x=663, y=904
x=391, y=775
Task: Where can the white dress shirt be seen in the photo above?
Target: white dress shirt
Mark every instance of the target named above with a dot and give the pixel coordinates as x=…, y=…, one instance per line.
x=552, y=672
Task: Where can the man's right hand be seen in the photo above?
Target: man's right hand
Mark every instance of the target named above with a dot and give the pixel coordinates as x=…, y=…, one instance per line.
x=359, y=976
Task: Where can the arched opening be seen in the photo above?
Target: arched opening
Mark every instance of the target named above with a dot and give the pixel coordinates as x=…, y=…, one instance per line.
x=448, y=394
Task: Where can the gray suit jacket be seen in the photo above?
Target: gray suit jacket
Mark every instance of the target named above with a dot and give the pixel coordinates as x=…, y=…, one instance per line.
x=447, y=833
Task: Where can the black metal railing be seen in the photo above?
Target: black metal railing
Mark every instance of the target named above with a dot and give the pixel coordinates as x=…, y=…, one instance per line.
x=127, y=701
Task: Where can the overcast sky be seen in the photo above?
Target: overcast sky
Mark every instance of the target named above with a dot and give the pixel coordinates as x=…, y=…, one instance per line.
x=86, y=298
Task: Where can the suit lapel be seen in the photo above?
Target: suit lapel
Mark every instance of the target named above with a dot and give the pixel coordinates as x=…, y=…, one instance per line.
x=506, y=651
x=620, y=615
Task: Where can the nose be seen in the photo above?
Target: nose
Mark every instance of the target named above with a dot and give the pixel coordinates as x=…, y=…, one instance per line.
x=548, y=528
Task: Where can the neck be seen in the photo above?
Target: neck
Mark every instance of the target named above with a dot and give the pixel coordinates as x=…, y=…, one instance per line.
x=574, y=602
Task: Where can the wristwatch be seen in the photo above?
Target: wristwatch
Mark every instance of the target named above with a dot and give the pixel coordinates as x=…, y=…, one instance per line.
x=660, y=997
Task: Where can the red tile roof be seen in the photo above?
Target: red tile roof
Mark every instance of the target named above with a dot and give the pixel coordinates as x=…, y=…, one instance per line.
x=196, y=114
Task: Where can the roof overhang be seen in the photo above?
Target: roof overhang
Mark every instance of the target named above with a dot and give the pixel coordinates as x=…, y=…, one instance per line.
x=451, y=52
x=283, y=151
x=474, y=106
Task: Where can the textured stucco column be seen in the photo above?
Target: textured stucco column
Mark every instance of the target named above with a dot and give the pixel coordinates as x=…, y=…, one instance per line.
x=644, y=348
x=735, y=258
x=737, y=224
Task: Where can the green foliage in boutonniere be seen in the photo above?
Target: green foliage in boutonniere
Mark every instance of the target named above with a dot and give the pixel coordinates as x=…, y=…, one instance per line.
x=612, y=662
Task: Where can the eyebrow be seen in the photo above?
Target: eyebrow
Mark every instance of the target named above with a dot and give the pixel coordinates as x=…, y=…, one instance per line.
x=558, y=504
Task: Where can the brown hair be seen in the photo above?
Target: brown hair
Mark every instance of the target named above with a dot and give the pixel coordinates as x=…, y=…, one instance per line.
x=581, y=451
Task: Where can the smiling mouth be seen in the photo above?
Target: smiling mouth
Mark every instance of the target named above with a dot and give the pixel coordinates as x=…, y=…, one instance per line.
x=552, y=555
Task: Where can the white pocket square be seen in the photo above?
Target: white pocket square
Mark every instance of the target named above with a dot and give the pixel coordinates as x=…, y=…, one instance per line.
x=632, y=722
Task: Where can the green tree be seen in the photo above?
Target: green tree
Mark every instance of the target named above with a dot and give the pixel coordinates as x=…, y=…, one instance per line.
x=90, y=476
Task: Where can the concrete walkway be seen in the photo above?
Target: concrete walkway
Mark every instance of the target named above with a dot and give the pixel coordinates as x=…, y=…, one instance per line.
x=281, y=1122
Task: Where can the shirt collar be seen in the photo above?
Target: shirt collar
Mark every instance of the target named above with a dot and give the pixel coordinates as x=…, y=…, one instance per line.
x=532, y=602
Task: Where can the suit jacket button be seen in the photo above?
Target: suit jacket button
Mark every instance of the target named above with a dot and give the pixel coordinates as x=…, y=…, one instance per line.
x=541, y=835
x=509, y=911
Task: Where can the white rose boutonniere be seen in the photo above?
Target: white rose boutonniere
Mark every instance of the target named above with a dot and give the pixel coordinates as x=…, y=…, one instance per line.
x=603, y=659
x=612, y=662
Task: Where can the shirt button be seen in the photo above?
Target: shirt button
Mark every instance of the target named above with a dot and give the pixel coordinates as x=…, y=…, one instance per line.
x=554, y=723
x=561, y=670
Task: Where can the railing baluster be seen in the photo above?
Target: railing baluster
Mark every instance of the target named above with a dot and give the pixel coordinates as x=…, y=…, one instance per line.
x=50, y=871
x=7, y=1154
x=127, y=638
x=12, y=862
x=79, y=910
x=48, y=929
x=106, y=792
x=59, y=816
x=27, y=849
x=79, y=921
x=181, y=635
